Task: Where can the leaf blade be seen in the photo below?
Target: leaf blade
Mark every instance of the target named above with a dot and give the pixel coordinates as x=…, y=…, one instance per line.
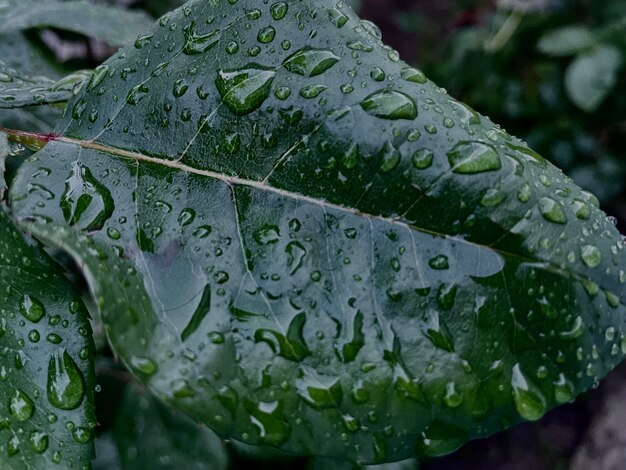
x=350, y=283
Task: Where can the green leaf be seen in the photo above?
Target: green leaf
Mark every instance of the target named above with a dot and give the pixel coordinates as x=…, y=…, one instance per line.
x=566, y=41
x=347, y=263
x=46, y=371
x=149, y=435
x=17, y=91
x=592, y=75
x=114, y=25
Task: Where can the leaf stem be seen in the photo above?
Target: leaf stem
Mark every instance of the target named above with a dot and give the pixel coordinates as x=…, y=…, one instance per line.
x=33, y=140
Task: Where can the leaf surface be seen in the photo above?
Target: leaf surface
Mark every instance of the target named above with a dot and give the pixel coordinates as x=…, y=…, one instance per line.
x=46, y=361
x=113, y=25
x=299, y=240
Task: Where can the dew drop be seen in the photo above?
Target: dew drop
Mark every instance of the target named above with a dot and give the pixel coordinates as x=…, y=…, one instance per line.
x=199, y=43
x=279, y=10
x=266, y=35
x=591, y=255
x=422, y=159
x=473, y=157
x=21, y=406
x=38, y=441
x=245, y=90
x=310, y=62
x=144, y=365
x=552, y=211
x=66, y=384
x=529, y=401
x=32, y=309
x=390, y=104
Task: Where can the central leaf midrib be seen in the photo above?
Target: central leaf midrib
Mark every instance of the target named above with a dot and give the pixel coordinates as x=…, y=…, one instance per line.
x=237, y=181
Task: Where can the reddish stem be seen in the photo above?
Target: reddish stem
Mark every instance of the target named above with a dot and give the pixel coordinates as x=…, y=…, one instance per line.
x=32, y=140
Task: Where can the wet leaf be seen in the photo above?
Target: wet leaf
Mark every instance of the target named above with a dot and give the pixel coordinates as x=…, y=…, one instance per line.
x=310, y=258
x=114, y=25
x=46, y=366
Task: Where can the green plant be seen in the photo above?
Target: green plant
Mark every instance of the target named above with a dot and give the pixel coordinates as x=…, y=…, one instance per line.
x=294, y=238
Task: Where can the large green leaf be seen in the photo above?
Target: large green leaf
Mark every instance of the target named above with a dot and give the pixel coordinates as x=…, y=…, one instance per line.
x=114, y=25
x=46, y=362
x=298, y=240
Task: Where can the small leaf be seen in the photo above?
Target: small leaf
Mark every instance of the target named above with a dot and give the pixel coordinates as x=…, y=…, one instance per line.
x=114, y=25
x=592, y=76
x=149, y=435
x=566, y=41
x=46, y=372
x=17, y=91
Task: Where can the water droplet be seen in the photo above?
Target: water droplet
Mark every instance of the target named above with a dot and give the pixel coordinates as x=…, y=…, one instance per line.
x=473, y=157
x=267, y=235
x=85, y=198
x=97, y=77
x=292, y=345
x=186, y=216
x=279, y=10
x=529, y=401
x=440, y=438
x=32, y=308
x=38, y=441
x=312, y=91
x=390, y=104
x=337, y=17
x=137, y=93
x=199, y=43
x=81, y=435
x=390, y=158
x=453, y=398
x=422, y=159
x=563, y=389
x=591, y=255
x=552, y=211
x=253, y=14
x=144, y=365
x=492, y=198
x=576, y=331
x=245, y=90
x=282, y=93
x=21, y=406
x=232, y=47
x=413, y=75
x=524, y=194
x=180, y=87
x=436, y=331
x=66, y=384
x=378, y=74
x=310, y=62
x=581, y=209
x=295, y=256
x=266, y=417
x=266, y=35
x=439, y=262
